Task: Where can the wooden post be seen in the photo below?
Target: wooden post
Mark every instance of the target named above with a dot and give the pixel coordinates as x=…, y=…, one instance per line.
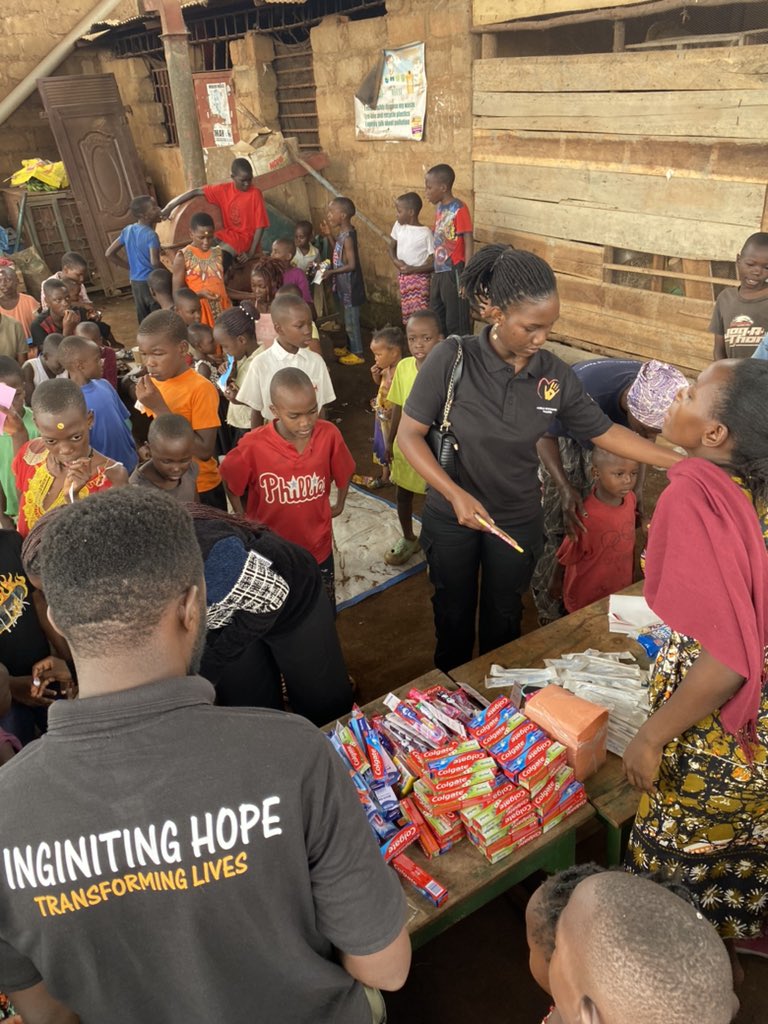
x=175, y=39
x=619, y=32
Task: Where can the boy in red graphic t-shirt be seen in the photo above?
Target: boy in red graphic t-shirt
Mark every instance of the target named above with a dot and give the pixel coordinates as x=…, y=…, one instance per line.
x=242, y=212
x=600, y=560
x=287, y=468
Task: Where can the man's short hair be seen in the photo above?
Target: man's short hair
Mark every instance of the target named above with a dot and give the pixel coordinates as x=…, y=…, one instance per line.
x=290, y=378
x=54, y=285
x=163, y=321
x=646, y=954
x=241, y=166
x=112, y=563
x=201, y=220
x=444, y=173
x=140, y=205
x=169, y=426
x=53, y=397
x=74, y=260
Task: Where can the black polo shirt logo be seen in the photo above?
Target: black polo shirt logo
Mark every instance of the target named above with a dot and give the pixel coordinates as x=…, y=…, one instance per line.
x=548, y=389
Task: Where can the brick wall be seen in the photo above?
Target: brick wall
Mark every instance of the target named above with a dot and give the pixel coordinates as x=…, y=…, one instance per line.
x=373, y=173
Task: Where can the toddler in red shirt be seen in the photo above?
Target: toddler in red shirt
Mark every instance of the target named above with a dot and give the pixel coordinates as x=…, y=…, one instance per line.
x=287, y=468
x=600, y=560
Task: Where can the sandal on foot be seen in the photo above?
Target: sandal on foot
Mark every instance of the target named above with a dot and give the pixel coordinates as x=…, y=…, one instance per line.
x=402, y=552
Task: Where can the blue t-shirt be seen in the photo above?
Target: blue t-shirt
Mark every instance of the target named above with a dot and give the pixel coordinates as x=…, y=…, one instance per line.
x=110, y=434
x=138, y=239
x=605, y=381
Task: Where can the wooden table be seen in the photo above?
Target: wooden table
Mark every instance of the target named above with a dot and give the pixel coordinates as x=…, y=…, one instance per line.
x=610, y=794
x=471, y=881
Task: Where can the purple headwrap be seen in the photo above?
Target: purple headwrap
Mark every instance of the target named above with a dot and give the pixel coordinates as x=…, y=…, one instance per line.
x=654, y=390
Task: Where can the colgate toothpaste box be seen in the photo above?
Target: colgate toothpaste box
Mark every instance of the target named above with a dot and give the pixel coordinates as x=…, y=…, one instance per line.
x=426, y=884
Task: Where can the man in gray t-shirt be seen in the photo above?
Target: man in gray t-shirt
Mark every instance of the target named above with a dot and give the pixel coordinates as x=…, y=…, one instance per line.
x=164, y=859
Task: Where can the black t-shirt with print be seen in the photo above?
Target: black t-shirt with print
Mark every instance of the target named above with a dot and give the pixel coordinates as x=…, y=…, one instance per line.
x=498, y=416
x=208, y=863
x=22, y=640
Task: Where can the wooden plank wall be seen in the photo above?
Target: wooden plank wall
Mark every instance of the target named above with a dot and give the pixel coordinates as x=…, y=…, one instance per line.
x=658, y=152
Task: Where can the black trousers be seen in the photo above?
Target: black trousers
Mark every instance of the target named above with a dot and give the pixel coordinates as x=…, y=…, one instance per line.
x=465, y=563
x=445, y=301
x=142, y=298
x=308, y=658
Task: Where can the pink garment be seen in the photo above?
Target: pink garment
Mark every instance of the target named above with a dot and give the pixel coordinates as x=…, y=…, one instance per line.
x=707, y=577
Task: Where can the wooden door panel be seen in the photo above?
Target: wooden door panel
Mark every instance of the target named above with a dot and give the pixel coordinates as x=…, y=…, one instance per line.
x=91, y=130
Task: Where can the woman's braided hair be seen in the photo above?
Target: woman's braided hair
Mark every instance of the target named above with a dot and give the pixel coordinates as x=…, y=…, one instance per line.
x=506, y=276
x=238, y=320
x=743, y=409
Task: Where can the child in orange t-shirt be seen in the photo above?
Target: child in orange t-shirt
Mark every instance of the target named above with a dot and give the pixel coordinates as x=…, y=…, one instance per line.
x=200, y=266
x=171, y=385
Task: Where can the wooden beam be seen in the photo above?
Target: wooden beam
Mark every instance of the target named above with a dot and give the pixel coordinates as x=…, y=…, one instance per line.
x=685, y=275
x=489, y=46
x=619, y=35
x=696, y=199
x=689, y=158
x=488, y=15
x=710, y=114
x=737, y=68
x=573, y=258
x=663, y=233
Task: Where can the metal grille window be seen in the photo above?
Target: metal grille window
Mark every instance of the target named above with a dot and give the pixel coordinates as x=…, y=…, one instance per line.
x=296, y=102
x=162, y=87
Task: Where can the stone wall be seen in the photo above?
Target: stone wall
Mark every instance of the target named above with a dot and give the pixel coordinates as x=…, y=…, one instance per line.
x=373, y=173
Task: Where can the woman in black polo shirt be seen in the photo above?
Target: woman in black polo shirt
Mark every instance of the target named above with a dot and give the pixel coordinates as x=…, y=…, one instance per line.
x=510, y=391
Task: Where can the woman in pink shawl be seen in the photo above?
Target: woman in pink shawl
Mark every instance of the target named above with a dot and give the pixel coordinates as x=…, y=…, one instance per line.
x=701, y=760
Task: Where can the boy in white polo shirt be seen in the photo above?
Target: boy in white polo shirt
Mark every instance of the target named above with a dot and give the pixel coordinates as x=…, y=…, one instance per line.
x=293, y=324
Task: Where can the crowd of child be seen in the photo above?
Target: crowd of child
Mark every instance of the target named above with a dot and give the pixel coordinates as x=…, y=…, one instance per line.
x=227, y=409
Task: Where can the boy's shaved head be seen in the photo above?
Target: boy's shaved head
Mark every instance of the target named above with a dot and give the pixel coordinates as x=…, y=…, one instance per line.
x=160, y=281
x=629, y=951
x=757, y=241
x=53, y=286
x=165, y=322
x=74, y=261
x=52, y=397
x=169, y=426
x=51, y=344
x=9, y=369
x=88, y=329
x=287, y=305
x=443, y=173
x=345, y=204
x=73, y=348
x=291, y=378
x=146, y=556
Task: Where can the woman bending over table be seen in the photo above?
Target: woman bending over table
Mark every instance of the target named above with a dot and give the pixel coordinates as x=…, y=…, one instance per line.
x=701, y=759
x=510, y=391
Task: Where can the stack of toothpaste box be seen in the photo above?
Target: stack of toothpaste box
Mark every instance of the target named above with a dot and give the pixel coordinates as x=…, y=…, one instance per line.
x=540, y=788
x=444, y=763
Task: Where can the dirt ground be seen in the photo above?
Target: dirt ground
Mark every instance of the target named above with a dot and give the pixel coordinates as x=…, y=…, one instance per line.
x=477, y=970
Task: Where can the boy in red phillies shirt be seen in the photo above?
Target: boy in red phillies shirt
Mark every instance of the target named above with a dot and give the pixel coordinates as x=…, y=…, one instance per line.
x=287, y=468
